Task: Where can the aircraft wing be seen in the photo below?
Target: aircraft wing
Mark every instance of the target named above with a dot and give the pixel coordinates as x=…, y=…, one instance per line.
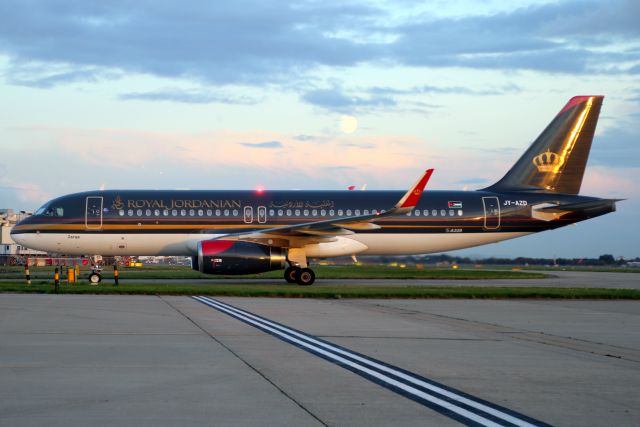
x=327, y=229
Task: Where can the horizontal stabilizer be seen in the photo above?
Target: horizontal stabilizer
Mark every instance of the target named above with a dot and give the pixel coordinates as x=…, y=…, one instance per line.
x=579, y=207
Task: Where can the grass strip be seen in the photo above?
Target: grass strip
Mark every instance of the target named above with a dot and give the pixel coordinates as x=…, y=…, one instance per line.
x=324, y=272
x=332, y=292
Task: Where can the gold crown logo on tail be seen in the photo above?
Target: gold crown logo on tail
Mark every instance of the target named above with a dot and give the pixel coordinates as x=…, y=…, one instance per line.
x=547, y=161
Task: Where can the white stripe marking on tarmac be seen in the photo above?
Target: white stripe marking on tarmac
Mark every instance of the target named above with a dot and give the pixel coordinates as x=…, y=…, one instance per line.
x=321, y=347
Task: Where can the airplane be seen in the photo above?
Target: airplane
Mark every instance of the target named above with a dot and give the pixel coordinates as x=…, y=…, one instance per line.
x=247, y=232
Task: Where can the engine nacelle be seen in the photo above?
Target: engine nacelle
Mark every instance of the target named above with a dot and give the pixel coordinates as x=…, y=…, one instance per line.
x=237, y=257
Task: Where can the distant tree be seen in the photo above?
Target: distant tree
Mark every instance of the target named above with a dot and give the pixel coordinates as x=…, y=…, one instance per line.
x=607, y=259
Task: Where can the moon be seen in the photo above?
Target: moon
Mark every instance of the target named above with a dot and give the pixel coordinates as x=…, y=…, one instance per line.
x=348, y=124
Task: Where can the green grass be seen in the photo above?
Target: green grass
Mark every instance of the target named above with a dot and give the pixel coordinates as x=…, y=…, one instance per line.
x=294, y=291
x=325, y=272
x=584, y=269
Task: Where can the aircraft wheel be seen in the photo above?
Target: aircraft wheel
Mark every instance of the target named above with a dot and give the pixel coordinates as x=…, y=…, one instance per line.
x=305, y=277
x=94, y=279
x=290, y=274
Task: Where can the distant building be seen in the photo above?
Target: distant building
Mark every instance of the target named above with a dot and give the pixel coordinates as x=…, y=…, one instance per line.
x=9, y=248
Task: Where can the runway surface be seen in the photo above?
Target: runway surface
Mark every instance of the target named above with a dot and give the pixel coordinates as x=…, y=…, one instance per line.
x=143, y=360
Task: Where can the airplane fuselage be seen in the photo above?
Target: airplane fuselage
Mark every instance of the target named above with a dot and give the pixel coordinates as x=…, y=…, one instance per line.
x=144, y=222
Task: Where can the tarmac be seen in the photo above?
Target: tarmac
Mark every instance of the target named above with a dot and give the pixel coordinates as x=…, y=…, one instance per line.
x=145, y=360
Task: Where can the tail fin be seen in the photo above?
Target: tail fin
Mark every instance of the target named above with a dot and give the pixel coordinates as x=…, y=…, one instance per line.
x=556, y=160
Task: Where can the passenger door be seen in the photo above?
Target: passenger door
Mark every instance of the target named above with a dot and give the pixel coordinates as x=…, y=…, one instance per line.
x=491, y=213
x=93, y=213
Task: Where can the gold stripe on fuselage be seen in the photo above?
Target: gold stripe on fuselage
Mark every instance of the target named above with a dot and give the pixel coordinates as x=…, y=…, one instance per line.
x=83, y=227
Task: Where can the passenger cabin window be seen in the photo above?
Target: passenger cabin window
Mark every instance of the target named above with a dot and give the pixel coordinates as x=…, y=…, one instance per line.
x=459, y=213
x=434, y=212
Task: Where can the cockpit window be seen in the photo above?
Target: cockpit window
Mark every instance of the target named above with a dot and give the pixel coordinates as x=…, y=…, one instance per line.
x=42, y=209
x=47, y=210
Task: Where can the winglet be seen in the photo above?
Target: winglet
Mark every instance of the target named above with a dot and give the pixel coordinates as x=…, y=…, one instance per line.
x=412, y=197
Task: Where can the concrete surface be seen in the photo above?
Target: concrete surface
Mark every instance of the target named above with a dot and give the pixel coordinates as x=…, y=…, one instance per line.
x=139, y=360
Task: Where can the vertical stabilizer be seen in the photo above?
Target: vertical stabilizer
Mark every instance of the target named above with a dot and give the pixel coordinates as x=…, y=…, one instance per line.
x=556, y=160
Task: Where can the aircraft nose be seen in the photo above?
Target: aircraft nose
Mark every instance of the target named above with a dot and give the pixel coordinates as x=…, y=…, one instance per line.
x=19, y=238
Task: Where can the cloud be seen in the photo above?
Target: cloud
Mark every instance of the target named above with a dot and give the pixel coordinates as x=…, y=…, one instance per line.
x=265, y=42
x=18, y=193
x=187, y=96
x=607, y=182
x=336, y=100
x=617, y=147
x=266, y=144
x=251, y=42
x=359, y=99
x=472, y=181
x=567, y=37
x=305, y=138
x=131, y=158
x=455, y=90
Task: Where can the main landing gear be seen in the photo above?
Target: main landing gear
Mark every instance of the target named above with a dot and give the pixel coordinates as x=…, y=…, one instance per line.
x=298, y=270
x=301, y=276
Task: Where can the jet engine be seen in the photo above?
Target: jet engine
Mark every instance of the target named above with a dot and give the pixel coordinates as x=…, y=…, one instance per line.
x=237, y=257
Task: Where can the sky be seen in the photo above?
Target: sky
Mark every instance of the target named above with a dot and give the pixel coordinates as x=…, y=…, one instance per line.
x=317, y=95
